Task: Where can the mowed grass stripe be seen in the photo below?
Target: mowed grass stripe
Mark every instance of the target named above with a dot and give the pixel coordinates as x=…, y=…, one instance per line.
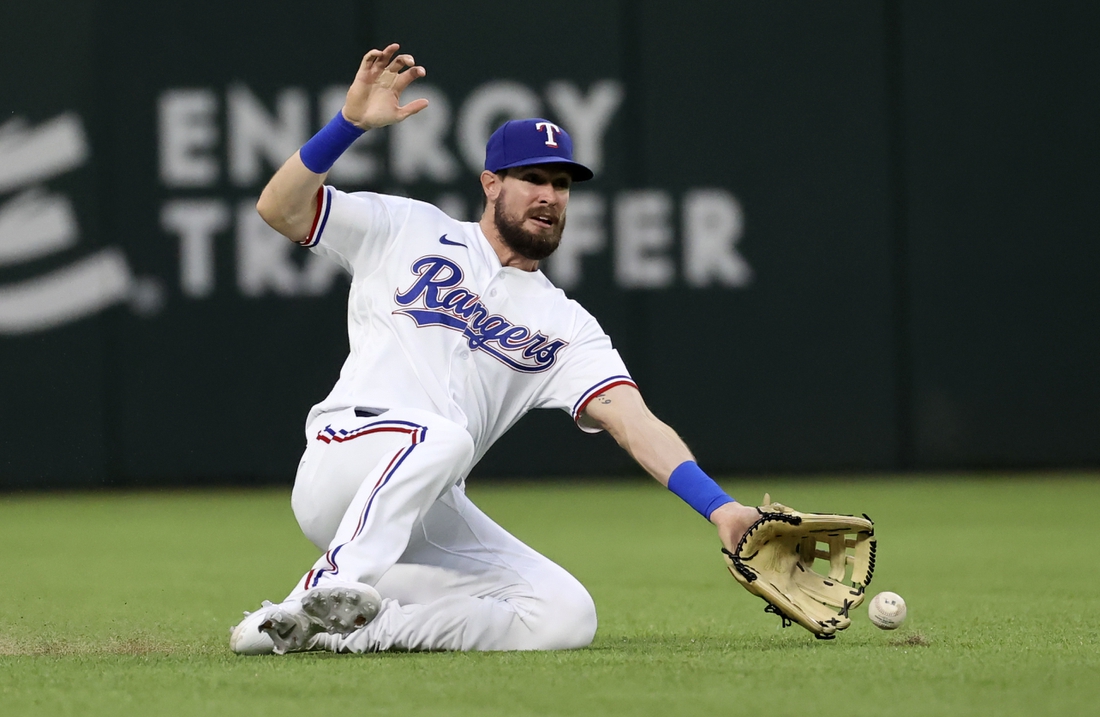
x=120, y=603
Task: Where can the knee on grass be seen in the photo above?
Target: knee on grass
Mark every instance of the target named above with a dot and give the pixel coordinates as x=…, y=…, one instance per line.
x=565, y=620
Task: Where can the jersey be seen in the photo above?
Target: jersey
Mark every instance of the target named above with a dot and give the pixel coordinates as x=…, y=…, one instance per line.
x=436, y=323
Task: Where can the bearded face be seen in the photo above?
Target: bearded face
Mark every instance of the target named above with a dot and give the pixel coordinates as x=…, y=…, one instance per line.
x=534, y=233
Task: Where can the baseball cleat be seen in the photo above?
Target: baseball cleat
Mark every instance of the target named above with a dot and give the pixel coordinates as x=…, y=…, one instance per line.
x=300, y=624
x=341, y=609
x=247, y=639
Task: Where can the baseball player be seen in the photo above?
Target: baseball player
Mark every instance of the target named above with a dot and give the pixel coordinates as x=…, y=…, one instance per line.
x=455, y=334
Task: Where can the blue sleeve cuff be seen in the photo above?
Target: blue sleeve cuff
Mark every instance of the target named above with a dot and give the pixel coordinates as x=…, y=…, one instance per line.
x=697, y=489
x=325, y=147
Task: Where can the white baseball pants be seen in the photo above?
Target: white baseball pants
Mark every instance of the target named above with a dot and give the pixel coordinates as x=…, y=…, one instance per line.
x=384, y=498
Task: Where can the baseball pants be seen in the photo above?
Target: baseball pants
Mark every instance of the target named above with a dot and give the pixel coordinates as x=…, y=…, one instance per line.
x=384, y=497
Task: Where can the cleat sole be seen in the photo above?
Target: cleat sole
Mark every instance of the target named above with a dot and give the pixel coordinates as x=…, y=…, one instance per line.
x=341, y=610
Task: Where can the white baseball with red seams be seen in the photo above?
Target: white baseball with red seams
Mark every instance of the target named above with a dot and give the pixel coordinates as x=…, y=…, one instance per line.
x=887, y=611
x=448, y=350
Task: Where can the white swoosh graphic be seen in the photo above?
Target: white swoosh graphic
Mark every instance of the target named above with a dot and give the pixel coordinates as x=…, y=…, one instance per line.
x=88, y=286
x=33, y=155
x=35, y=224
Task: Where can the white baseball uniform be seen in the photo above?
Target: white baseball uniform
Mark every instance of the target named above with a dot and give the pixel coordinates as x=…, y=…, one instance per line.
x=448, y=350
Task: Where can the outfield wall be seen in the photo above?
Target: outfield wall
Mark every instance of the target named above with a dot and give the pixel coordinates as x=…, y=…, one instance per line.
x=844, y=236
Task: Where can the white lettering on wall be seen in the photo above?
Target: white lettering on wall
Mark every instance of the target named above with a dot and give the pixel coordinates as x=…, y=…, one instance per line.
x=195, y=222
x=188, y=132
x=36, y=223
x=488, y=107
x=713, y=224
x=266, y=261
x=418, y=147
x=255, y=134
x=586, y=117
x=643, y=237
x=636, y=229
x=35, y=153
x=39, y=223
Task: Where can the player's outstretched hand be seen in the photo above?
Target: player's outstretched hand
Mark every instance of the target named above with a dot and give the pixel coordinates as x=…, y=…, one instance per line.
x=374, y=98
x=732, y=520
x=775, y=560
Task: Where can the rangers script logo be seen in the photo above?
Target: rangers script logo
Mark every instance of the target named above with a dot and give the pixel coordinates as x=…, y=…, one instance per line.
x=451, y=306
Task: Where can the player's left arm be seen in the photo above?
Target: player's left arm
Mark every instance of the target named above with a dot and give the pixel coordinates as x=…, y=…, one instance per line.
x=658, y=449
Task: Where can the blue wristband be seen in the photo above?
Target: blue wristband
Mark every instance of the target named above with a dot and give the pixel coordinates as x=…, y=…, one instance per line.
x=697, y=489
x=325, y=147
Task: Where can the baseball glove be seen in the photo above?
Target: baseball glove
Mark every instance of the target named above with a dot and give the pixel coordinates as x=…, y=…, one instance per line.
x=775, y=560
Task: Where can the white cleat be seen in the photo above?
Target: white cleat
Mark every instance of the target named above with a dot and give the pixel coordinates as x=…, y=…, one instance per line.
x=301, y=623
x=247, y=639
x=340, y=609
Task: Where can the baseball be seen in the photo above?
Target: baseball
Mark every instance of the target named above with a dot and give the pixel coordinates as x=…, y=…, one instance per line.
x=886, y=611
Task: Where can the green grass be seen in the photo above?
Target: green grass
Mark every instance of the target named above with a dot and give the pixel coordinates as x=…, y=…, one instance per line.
x=121, y=604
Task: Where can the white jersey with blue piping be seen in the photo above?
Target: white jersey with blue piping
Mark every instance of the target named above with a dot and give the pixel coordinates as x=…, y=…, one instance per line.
x=436, y=323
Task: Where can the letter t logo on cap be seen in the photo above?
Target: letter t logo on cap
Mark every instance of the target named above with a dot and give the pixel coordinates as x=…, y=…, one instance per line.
x=550, y=129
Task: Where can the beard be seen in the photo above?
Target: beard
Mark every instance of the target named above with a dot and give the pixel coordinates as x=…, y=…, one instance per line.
x=535, y=246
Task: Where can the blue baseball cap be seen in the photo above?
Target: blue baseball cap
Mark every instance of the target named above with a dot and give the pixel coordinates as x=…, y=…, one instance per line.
x=523, y=142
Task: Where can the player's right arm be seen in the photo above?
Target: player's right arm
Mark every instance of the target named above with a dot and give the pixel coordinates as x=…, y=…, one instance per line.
x=658, y=449
x=289, y=201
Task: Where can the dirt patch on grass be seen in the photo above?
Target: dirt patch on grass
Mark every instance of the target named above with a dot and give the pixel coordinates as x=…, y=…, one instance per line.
x=133, y=646
x=913, y=639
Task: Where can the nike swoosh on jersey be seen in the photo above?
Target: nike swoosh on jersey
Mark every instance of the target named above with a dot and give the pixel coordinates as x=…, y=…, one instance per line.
x=444, y=240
